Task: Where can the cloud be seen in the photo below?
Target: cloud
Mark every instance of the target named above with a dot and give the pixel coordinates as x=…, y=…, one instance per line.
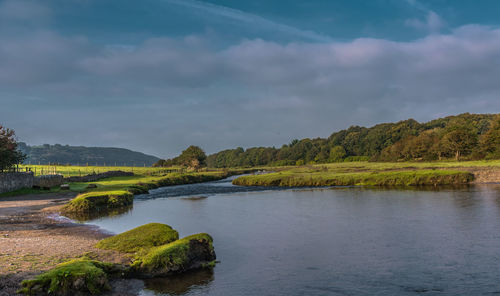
x=255, y=20
x=433, y=23
x=23, y=10
x=164, y=94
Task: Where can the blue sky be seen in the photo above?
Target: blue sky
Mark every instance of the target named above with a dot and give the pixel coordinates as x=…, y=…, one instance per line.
x=159, y=75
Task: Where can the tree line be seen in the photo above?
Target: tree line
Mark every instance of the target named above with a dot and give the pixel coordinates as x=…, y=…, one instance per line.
x=462, y=137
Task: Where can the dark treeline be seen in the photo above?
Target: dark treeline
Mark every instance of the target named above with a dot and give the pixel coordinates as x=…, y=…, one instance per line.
x=64, y=154
x=462, y=137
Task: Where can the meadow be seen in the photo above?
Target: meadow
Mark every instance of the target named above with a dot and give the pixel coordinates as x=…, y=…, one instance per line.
x=73, y=170
x=371, y=174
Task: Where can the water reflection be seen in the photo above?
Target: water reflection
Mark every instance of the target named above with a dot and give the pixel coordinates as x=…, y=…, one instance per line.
x=180, y=284
x=332, y=241
x=84, y=217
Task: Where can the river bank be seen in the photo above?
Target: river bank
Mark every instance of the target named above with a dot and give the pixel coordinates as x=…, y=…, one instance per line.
x=379, y=174
x=32, y=240
x=34, y=237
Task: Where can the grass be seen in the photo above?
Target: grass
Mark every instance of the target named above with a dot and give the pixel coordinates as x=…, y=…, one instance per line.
x=370, y=173
x=397, y=178
x=140, y=238
x=82, y=275
x=73, y=170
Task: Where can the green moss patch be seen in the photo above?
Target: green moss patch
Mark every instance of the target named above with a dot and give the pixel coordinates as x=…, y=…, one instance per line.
x=193, y=251
x=143, y=237
x=80, y=276
x=97, y=200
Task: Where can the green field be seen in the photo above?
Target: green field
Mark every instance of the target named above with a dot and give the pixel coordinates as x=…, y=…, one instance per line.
x=371, y=173
x=72, y=171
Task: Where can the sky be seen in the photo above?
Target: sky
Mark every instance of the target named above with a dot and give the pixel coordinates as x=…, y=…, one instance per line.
x=159, y=75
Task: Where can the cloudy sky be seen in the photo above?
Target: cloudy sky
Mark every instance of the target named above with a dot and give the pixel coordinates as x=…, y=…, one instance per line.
x=159, y=75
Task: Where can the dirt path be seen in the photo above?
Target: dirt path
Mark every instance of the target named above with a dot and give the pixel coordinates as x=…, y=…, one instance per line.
x=32, y=240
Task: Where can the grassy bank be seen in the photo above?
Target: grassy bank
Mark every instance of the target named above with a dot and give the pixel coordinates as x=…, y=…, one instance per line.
x=118, y=192
x=421, y=177
x=371, y=174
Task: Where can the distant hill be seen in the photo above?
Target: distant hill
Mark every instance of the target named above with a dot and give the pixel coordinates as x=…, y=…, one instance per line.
x=64, y=154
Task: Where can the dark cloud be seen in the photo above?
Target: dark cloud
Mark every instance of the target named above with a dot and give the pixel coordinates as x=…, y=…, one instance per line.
x=167, y=93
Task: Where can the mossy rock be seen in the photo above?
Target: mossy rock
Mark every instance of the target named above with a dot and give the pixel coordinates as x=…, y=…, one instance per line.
x=140, y=238
x=191, y=252
x=93, y=201
x=76, y=277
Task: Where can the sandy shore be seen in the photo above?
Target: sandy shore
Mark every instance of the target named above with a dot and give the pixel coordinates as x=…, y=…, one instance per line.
x=33, y=239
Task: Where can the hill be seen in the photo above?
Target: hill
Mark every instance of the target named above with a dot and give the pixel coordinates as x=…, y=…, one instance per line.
x=79, y=155
x=462, y=137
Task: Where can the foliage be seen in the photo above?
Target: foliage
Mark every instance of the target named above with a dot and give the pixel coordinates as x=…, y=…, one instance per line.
x=337, y=154
x=463, y=137
x=193, y=157
x=9, y=153
x=490, y=142
x=142, y=237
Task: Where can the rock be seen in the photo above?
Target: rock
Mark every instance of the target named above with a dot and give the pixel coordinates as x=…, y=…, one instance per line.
x=95, y=201
x=64, y=187
x=77, y=277
x=142, y=237
x=192, y=252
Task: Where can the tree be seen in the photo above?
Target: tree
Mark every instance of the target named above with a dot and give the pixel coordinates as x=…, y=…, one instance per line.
x=459, y=139
x=337, y=154
x=9, y=155
x=490, y=141
x=192, y=153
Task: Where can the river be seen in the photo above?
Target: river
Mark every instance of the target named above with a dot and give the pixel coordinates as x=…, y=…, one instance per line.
x=330, y=241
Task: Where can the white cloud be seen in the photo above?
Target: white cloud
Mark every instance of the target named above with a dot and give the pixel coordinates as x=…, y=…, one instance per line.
x=433, y=23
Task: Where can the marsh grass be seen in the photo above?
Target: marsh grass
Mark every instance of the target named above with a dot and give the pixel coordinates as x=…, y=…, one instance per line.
x=370, y=174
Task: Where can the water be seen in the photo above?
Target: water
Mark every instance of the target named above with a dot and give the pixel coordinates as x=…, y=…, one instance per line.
x=347, y=241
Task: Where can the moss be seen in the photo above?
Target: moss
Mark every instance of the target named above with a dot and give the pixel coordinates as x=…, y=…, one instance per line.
x=193, y=251
x=80, y=276
x=142, y=237
x=96, y=200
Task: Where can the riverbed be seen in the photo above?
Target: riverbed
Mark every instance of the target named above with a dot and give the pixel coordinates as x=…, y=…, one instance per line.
x=330, y=241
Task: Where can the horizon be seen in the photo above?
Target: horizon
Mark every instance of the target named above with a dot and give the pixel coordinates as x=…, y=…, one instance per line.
x=39, y=145
x=160, y=75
